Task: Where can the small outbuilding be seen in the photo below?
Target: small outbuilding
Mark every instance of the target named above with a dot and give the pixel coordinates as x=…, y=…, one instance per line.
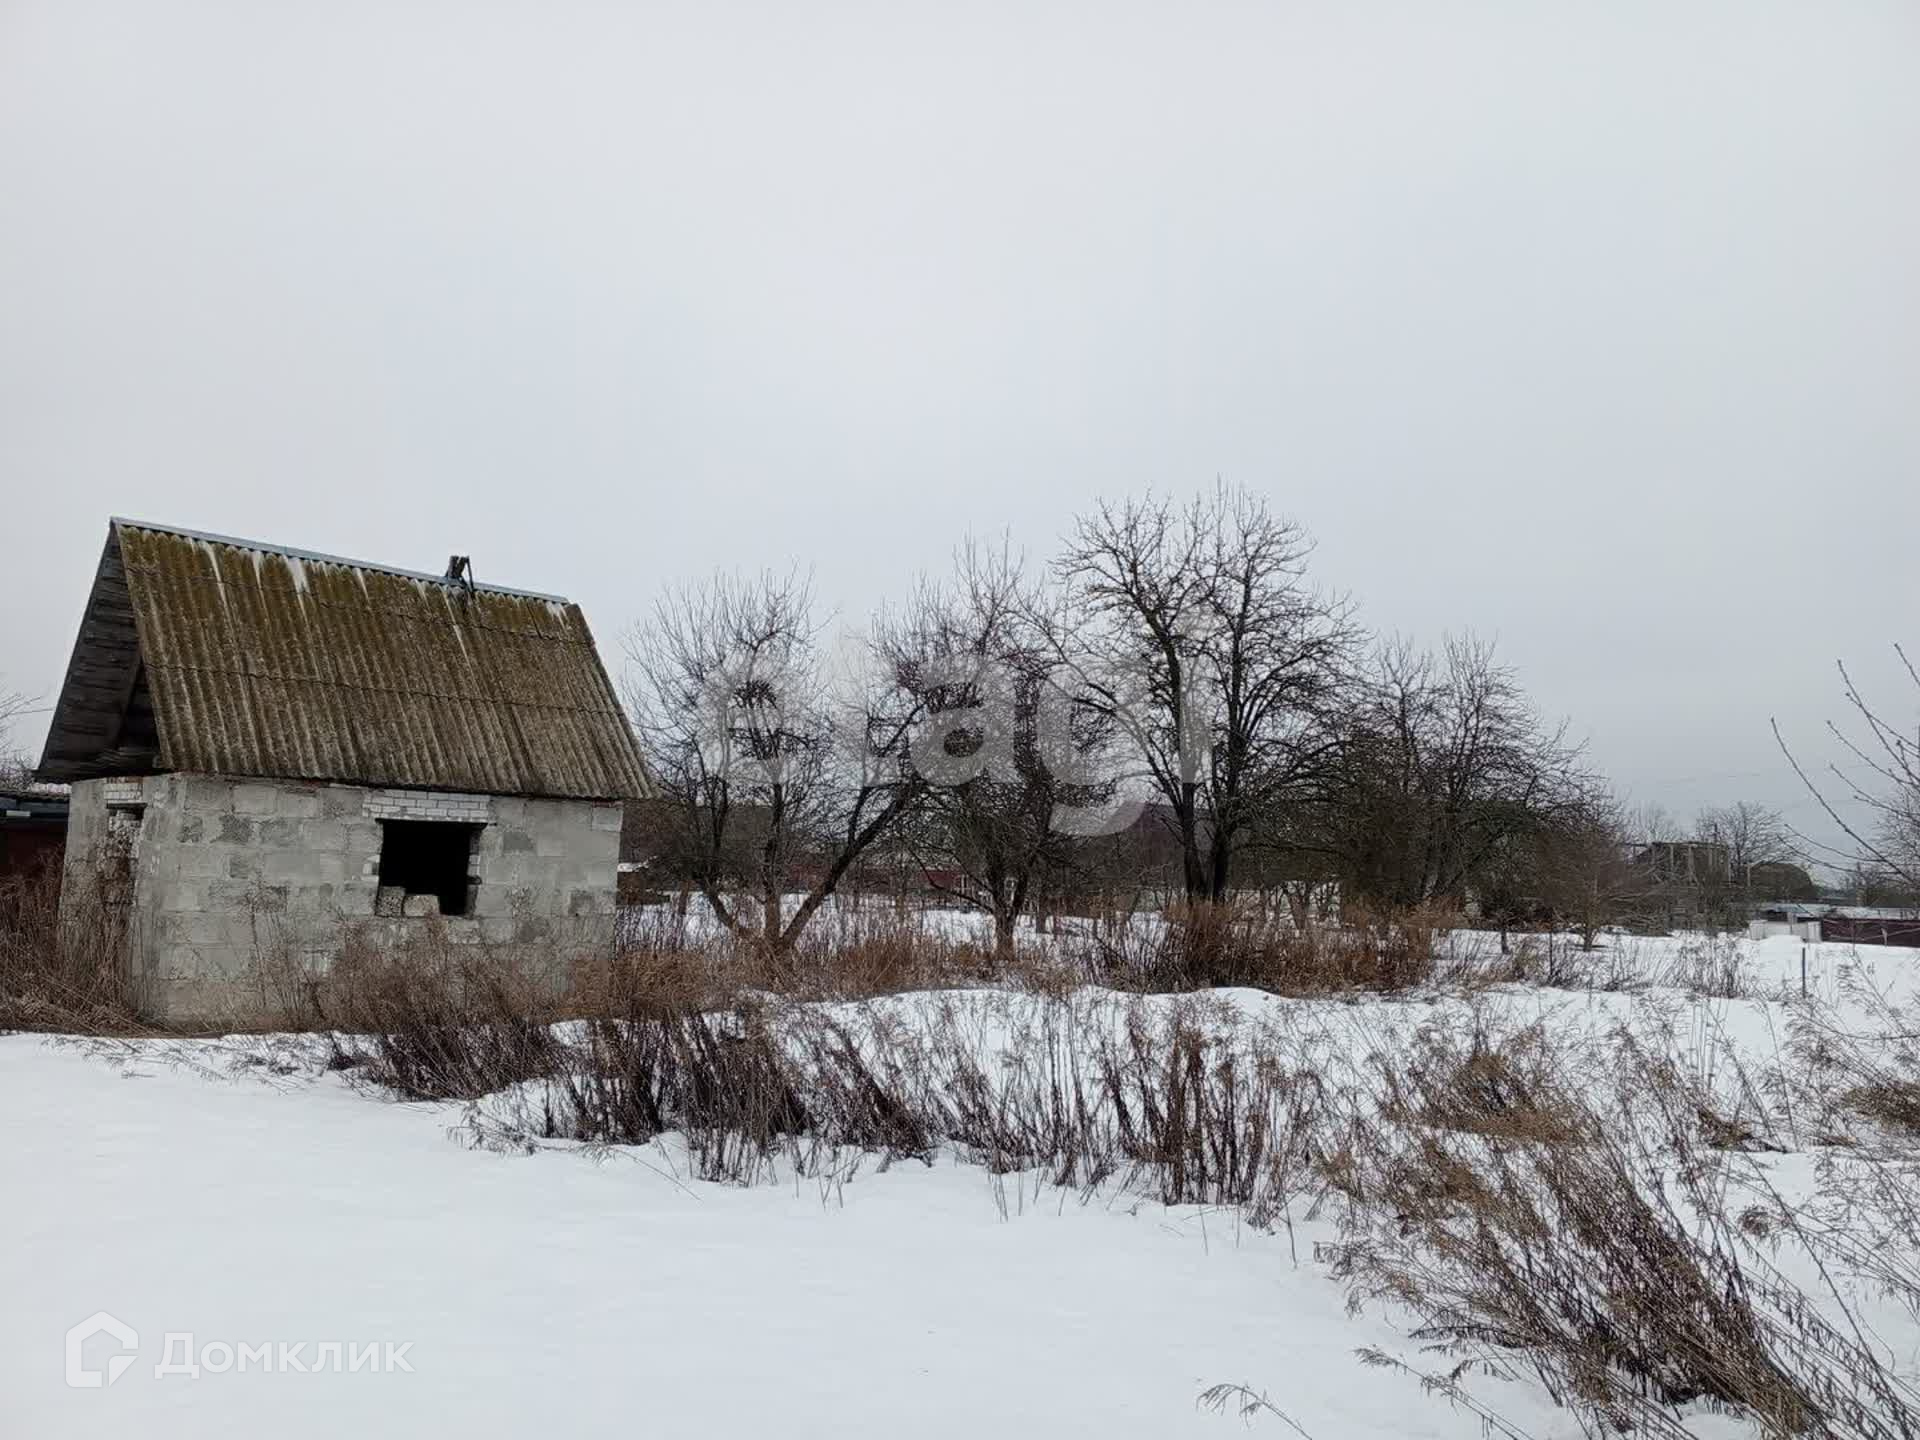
x=271, y=749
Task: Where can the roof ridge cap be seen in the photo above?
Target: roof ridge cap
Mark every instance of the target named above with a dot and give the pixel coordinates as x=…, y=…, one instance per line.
x=320, y=557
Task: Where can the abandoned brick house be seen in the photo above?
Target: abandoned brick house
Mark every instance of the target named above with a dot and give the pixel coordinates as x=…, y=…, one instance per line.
x=268, y=748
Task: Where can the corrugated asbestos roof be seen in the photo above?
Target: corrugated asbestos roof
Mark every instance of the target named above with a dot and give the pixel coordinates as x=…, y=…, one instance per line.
x=259, y=660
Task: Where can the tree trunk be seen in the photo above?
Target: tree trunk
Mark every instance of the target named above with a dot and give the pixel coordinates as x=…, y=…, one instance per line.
x=1004, y=921
x=1220, y=863
x=1194, y=869
x=770, y=876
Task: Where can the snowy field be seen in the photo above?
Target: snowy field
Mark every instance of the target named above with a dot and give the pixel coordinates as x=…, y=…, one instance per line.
x=562, y=1292
x=557, y=1294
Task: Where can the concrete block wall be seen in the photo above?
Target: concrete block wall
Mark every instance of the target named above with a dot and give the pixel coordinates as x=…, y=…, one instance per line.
x=236, y=876
x=86, y=829
x=104, y=835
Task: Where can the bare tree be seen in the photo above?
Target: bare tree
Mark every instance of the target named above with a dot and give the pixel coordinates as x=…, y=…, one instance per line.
x=777, y=778
x=1744, y=844
x=15, y=767
x=972, y=660
x=1586, y=872
x=1750, y=835
x=1874, y=885
x=1888, y=750
x=1651, y=824
x=1205, y=644
x=1447, y=774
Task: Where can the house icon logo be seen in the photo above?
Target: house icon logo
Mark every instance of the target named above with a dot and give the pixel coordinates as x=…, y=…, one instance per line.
x=79, y=1376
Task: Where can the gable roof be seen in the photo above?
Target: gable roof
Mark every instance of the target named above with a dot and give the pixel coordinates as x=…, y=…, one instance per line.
x=205, y=653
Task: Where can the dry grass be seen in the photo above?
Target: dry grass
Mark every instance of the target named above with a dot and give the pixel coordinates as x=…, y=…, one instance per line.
x=844, y=955
x=1074, y=1094
x=1204, y=946
x=1572, y=1212
x=1892, y=1103
x=63, y=971
x=1533, y=1224
x=1866, y=1067
x=432, y=1020
x=1712, y=965
x=1504, y=1087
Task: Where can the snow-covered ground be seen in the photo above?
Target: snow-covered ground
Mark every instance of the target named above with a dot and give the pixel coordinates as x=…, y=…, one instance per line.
x=567, y=1294
x=555, y=1295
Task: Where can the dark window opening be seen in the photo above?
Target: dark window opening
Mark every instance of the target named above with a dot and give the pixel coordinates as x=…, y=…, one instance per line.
x=429, y=857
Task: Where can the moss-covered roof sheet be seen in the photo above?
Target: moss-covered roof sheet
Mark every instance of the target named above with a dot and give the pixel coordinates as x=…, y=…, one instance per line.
x=205, y=653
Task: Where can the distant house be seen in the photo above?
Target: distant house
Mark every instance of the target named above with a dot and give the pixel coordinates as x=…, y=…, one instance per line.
x=1683, y=862
x=272, y=746
x=1801, y=921
x=1837, y=924
x=1692, y=880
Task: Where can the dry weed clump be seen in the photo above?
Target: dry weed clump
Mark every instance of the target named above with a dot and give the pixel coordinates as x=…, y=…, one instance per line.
x=741, y=1094
x=433, y=1020
x=1708, y=966
x=652, y=981
x=857, y=955
x=1866, y=1067
x=1712, y=965
x=64, y=969
x=1204, y=946
x=844, y=955
x=1892, y=1103
x=1078, y=1094
x=1603, y=1248
x=1506, y=1087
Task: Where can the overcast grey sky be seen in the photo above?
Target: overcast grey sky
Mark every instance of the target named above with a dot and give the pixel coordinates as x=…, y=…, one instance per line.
x=1594, y=327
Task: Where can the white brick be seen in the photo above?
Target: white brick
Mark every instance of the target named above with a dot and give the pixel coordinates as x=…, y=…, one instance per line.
x=122, y=792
